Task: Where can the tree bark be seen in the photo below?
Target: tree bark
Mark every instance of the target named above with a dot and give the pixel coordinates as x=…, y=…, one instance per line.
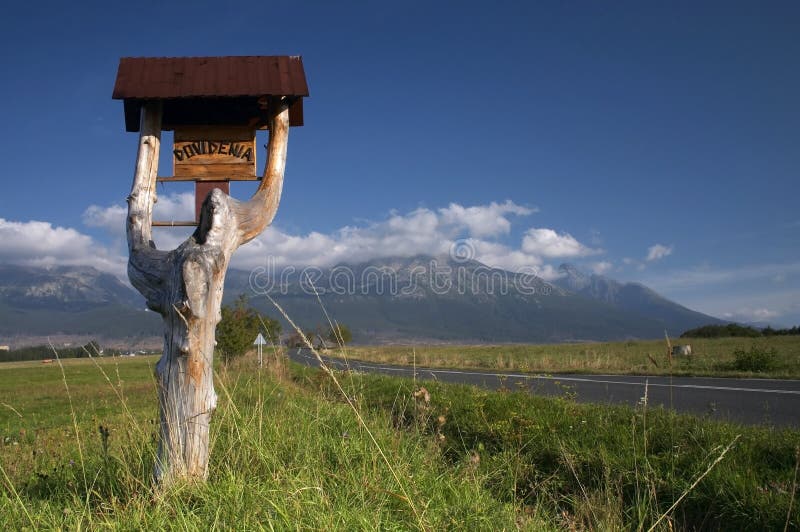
x=185, y=286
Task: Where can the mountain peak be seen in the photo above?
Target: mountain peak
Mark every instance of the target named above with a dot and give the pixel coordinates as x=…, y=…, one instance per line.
x=63, y=287
x=633, y=297
x=574, y=279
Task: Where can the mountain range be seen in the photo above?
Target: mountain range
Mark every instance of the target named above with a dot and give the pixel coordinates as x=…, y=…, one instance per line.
x=398, y=300
x=69, y=300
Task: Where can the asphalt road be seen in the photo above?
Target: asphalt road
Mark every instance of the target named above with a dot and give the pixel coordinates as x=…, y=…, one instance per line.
x=750, y=401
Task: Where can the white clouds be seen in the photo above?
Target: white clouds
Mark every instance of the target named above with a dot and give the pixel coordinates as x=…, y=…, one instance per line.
x=751, y=315
x=742, y=293
x=174, y=207
x=706, y=275
x=169, y=207
x=34, y=240
x=548, y=243
x=601, y=267
x=658, y=252
x=421, y=231
x=483, y=220
x=110, y=218
x=483, y=229
x=36, y=243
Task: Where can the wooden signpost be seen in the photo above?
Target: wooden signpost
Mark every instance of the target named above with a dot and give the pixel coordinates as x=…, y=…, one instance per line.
x=212, y=157
x=201, y=152
x=214, y=105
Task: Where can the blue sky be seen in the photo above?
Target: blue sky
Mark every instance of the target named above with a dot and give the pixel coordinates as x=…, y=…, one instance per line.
x=652, y=142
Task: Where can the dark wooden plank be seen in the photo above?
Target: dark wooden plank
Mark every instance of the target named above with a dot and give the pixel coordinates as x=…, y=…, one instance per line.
x=170, y=179
x=220, y=171
x=174, y=224
x=232, y=133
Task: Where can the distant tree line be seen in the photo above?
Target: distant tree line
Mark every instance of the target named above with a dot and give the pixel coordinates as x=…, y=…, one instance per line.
x=792, y=331
x=44, y=352
x=733, y=329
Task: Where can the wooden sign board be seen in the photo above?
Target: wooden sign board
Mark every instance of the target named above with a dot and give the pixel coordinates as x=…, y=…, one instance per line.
x=214, y=153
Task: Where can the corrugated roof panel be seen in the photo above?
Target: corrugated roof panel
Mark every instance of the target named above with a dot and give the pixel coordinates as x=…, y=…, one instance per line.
x=210, y=90
x=252, y=73
x=191, y=77
x=298, y=75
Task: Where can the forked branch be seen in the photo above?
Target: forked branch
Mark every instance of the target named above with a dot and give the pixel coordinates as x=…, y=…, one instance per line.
x=225, y=223
x=147, y=268
x=185, y=286
x=256, y=214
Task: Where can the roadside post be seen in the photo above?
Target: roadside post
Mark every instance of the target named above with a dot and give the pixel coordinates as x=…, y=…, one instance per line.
x=260, y=342
x=215, y=106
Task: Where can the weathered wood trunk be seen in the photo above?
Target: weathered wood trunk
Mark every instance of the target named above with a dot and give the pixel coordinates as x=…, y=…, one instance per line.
x=185, y=286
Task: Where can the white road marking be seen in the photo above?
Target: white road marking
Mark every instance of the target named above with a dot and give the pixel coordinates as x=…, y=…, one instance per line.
x=575, y=379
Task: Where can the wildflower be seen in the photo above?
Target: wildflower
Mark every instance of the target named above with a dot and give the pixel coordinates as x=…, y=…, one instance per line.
x=423, y=394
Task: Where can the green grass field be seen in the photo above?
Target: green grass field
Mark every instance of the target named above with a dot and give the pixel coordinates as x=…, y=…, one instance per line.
x=712, y=357
x=289, y=453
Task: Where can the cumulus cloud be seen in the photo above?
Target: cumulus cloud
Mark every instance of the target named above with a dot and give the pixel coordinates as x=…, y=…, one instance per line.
x=37, y=243
x=421, y=231
x=418, y=232
x=174, y=207
x=40, y=243
x=110, y=218
x=548, y=243
x=480, y=231
x=484, y=220
x=169, y=207
x=658, y=252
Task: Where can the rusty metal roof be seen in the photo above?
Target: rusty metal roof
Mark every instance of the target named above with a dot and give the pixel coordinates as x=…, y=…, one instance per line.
x=197, y=77
x=210, y=90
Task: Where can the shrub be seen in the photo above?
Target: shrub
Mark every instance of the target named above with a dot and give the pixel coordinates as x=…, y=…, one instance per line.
x=756, y=359
x=297, y=339
x=340, y=334
x=239, y=327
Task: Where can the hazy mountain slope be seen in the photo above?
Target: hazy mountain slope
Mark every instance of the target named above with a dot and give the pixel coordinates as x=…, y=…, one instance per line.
x=392, y=299
x=445, y=300
x=635, y=298
x=62, y=288
x=70, y=300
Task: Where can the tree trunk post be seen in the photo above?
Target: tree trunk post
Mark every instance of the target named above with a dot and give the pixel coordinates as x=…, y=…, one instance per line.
x=185, y=286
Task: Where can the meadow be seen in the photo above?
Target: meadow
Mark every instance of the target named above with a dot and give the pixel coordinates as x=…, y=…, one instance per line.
x=711, y=357
x=290, y=451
